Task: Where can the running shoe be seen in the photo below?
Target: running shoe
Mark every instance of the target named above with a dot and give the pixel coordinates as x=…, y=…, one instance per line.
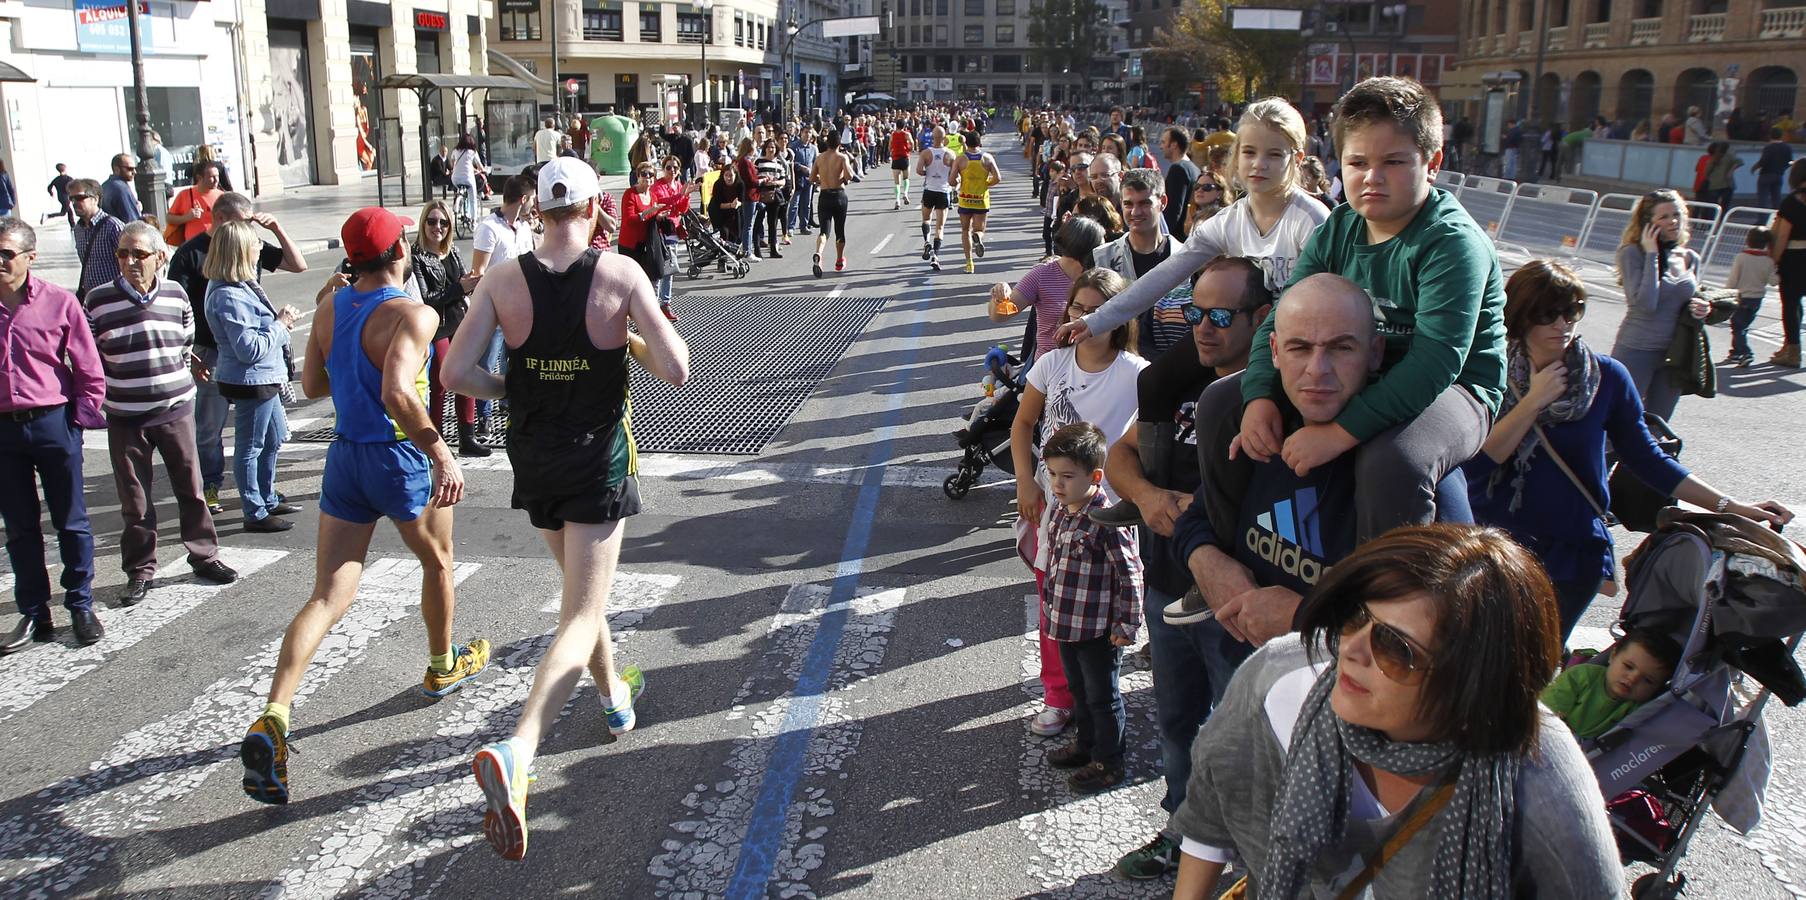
x=896, y=204
x=1155, y=858
x=840, y=264
x=622, y=719
x=927, y=250
x=467, y=662
x=934, y=262
x=503, y=781
x=816, y=265
x=978, y=245
x=264, y=751
x=969, y=267
x=212, y=496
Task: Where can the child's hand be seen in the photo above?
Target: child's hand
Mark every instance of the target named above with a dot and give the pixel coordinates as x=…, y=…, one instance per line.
x=1117, y=640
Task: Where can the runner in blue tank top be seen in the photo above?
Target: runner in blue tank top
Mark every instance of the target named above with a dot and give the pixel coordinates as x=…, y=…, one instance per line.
x=369, y=348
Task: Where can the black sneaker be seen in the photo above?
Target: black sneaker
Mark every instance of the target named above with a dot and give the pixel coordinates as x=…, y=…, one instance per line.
x=1068, y=757
x=1123, y=515
x=1095, y=778
x=1187, y=609
x=1155, y=858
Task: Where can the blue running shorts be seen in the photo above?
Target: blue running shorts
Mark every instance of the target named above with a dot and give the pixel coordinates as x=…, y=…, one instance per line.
x=366, y=482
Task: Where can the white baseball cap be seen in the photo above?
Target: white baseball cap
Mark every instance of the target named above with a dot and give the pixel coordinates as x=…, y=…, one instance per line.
x=566, y=182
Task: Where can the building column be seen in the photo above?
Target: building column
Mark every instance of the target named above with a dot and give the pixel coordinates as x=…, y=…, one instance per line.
x=398, y=50
x=334, y=115
x=260, y=92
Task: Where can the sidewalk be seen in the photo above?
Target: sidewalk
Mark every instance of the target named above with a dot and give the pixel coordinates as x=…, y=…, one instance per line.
x=311, y=215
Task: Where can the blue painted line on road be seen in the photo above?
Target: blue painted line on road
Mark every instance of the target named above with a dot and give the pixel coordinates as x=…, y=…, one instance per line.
x=765, y=829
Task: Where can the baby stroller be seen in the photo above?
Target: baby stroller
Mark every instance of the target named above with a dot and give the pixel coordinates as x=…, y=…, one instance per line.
x=1732, y=594
x=707, y=247
x=986, y=435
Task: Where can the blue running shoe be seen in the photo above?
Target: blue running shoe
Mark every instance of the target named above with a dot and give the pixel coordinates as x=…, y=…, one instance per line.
x=621, y=719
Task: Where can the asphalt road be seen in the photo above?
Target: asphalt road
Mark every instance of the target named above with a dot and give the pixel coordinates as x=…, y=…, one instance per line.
x=902, y=766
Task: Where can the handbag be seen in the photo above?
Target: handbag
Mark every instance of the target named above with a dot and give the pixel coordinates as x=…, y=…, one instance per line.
x=1396, y=842
x=172, y=232
x=655, y=257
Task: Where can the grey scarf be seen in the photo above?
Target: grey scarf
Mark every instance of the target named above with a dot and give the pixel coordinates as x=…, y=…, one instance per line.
x=1473, y=832
x=1583, y=386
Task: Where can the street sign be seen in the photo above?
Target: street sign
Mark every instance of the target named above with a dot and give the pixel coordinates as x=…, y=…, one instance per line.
x=570, y=86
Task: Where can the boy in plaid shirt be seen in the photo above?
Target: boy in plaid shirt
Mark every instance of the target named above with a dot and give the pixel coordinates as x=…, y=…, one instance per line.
x=1093, y=605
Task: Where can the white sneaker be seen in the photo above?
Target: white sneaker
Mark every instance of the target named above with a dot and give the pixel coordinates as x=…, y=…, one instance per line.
x=1051, y=721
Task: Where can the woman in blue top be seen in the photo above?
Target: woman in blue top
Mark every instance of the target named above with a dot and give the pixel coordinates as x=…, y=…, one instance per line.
x=253, y=366
x=1559, y=391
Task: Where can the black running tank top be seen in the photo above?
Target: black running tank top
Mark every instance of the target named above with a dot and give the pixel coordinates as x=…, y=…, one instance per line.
x=567, y=400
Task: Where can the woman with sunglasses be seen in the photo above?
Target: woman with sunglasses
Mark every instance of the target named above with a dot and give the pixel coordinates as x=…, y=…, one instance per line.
x=645, y=216
x=1563, y=403
x=1091, y=382
x=1356, y=757
x=439, y=272
x=1209, y=194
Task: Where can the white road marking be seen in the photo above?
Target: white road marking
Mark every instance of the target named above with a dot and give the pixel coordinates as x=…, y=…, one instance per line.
x=700, y=860
x=837, y=291
x=881, y=243
x=1078, y=839
x=437, y=806
x=80, y=821
x=27, y=678
x=675, y=467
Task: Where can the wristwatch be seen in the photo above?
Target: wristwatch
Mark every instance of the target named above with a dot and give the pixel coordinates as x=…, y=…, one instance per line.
x=1724, y=503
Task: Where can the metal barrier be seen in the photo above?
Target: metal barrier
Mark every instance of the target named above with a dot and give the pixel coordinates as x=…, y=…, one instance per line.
x=1541, y=213
x=1488, y=200
x=1727, y=241
x=1702, y=224
x=1603, y=236
x=1450, y=180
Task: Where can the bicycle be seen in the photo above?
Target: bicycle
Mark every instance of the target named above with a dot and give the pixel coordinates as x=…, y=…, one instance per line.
x=463, y=226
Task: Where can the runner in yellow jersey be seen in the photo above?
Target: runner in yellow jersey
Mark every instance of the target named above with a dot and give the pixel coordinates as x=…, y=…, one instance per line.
x=977, y=175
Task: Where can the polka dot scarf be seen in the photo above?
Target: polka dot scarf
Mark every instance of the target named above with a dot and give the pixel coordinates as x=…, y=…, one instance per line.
x=1472, y=834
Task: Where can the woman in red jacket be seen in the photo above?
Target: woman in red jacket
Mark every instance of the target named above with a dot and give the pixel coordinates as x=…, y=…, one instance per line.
x=646, y=218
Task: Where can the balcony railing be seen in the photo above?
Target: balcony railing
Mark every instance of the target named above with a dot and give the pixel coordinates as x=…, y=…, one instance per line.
x=1526, y=40
x=1645, y=31
x=689, y=37
x=1784, y=23
x=1597, y=34
x=601, y=34
x=1498, y=44
x=1706, y=27
x=1558, y=38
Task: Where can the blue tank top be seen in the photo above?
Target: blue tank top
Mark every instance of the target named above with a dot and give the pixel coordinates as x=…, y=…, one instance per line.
x=357, y=384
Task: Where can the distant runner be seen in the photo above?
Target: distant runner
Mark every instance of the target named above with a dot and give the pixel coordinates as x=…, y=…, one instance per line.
x=832, y=170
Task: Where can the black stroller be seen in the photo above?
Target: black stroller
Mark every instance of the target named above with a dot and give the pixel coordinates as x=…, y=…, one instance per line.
x=986, y=435
x=707, y=247
x=1732, y=594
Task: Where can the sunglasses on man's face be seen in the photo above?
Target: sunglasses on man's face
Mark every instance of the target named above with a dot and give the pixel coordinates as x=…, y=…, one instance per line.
x=129, y=253
x=10, y=255
x=1397, y=656
x=77, y=198
x=1219, y=316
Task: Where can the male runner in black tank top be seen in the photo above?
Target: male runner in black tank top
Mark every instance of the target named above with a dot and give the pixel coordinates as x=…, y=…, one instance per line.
x=563, y=310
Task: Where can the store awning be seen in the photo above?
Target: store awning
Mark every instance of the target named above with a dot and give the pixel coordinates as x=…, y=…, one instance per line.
x=10, y=72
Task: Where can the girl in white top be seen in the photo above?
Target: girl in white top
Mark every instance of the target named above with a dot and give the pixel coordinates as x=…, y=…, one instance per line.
x=1269, y=223
x=466, y=166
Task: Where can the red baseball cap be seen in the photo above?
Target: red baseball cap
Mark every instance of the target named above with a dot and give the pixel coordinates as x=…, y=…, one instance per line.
x=370, y=232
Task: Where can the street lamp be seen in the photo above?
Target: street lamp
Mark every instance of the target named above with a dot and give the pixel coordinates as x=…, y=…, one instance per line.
x=790, y=30
x=708, y=31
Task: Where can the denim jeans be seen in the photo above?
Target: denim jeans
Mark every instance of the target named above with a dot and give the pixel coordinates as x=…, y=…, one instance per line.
x=209, y=422
x=1097, y=709
x=1740, y=324
x=495, y=360
x=1572, y=597
x=748, y=212
x=1768, y=191
x=1192, y=667
x=48, y=451
x=258, y=427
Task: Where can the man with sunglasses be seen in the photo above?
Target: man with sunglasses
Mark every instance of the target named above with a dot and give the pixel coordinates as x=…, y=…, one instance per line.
x=96, y=236
x=51, y=387
x=117, y=196
x=144, y=328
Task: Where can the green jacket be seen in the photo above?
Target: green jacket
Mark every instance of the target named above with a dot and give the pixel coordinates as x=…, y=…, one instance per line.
x=1578, y=698
x=1438, y=298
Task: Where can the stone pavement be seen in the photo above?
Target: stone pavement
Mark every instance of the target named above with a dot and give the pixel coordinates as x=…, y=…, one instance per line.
x=311, y=214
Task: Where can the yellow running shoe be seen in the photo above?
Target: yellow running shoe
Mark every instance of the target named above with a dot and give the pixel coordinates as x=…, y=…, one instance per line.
x=264, y=752
x=504, y=784
x=969, y=267
x=469, y=660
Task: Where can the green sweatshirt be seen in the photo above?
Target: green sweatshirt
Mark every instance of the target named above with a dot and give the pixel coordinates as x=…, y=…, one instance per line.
x=1578, y=697
x=1438, y=298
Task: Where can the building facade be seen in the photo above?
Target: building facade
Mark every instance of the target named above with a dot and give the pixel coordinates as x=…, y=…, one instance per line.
x=626, y=56
x=1633, y=61
x=980, y=50
x=287, y=91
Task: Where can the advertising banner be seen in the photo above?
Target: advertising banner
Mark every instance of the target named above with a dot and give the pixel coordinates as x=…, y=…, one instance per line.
x=100, y=27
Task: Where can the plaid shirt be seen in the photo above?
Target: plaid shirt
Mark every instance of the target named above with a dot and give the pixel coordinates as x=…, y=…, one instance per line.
x=95, y=244
x=1093, y=577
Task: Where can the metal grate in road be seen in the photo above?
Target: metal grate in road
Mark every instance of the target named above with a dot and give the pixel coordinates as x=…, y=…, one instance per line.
x=753, y=360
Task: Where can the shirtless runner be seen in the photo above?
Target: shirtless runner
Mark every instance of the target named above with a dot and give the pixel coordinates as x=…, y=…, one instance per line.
x=831, y=172
x=564, y=310
x=368, y=349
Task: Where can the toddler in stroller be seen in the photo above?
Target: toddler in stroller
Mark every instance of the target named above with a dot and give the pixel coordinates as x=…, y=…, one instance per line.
x=707, y=247
x=986, y=435
x=1731, y=596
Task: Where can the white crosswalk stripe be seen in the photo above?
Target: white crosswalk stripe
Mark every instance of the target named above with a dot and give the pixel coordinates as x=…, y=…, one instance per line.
x=78, y=822
x=27, y=678
x=700, y=861
x=427, y=793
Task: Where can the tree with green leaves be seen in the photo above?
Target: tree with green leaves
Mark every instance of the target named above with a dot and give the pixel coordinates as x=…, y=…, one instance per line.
x=1066, y=34
x=1247, y=64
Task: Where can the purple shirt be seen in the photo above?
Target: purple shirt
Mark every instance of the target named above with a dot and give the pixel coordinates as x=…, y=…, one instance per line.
x=47, y=355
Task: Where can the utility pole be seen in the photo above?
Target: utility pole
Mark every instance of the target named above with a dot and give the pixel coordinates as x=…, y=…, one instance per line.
x=1536, y=80
x=151, y=187
x=557, y=100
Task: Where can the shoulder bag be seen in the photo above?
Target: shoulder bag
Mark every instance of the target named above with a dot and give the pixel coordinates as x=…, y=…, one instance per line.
x=172, y=231
x=1407, y=830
